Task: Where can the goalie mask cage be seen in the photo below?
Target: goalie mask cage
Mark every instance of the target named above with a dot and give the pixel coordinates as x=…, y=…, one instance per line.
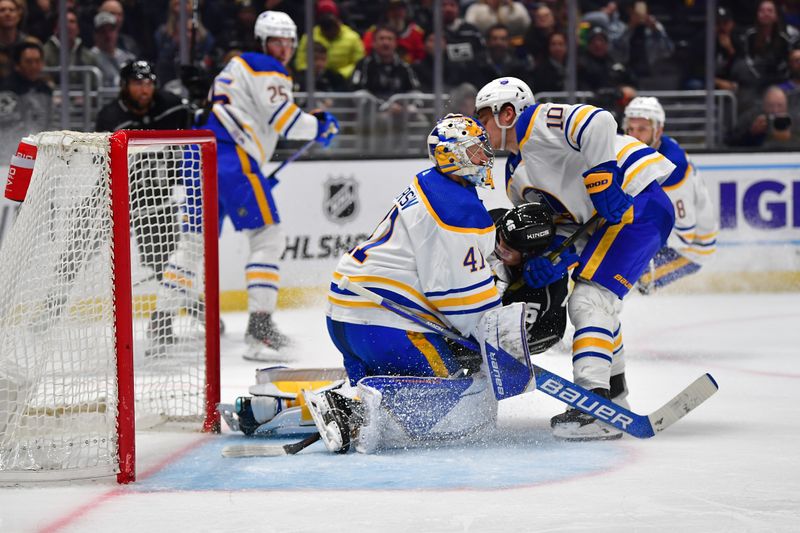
x=90, y=344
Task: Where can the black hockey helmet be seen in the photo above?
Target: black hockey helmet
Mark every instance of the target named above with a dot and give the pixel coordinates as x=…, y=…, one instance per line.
x=137, y=70
x=527, y=228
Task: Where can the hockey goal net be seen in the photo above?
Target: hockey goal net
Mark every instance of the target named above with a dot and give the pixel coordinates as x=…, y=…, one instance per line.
x=109, y=316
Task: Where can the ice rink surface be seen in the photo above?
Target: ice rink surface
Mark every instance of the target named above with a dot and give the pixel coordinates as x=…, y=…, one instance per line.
x=731, y=465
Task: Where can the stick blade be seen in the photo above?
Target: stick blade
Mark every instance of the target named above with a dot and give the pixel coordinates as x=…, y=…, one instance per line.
x=253, y=450
x=687, y=400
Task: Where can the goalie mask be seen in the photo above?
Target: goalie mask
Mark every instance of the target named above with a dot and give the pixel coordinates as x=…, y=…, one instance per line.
x=458, y=145
x=527, y=228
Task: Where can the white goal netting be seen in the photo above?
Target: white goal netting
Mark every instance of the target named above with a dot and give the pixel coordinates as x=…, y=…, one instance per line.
x=60, y=306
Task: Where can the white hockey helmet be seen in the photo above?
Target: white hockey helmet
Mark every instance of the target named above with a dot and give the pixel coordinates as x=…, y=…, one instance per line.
x=647, y=107
x=500, y=92
x=275, y=24
x=454, y=143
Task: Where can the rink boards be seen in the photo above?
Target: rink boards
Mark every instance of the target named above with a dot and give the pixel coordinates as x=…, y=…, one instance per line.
x=327, y=207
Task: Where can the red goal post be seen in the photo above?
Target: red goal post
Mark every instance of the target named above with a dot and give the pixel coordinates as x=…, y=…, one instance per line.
x=83, y=361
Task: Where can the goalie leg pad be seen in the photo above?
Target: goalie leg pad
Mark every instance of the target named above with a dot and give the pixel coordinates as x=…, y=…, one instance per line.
x=400, y=412
x=504, y=346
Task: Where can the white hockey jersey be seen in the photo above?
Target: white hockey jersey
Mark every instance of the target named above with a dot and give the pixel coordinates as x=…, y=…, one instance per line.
x=428, y=253
x=558, y=143
x=695, y=233
x=253, y=105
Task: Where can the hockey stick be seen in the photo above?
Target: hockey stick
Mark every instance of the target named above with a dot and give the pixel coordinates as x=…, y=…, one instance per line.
x=303, y=149
x=569, y=241
x=269, y=450
x=640, y=426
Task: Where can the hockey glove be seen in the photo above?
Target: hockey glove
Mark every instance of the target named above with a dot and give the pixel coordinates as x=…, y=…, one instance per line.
x=327, y=128
x=539, y=272
x=603, y=185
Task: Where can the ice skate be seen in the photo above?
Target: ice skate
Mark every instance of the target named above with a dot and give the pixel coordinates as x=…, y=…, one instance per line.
x=575, y=425
x=337, y=418
x=264, y=341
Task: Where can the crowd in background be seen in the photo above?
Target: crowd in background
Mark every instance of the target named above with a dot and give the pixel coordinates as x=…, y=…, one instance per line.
x=386, y=47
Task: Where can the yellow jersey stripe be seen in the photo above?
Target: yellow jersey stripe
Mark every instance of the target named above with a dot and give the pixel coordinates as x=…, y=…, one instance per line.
x=530, y=127
x=707, y=235
x=641, y=167
x=254, y=137
x=177, y=278
x=430, y=352
x=627, y=148
x=581, y=115
x=271, y=276
x=255, y=183
x=605, y=243
x=681, y=182
x=285, y=116
x=348, y=303
x=591, y=342
x=479, y=231
x=388, y=281
x=467, y=300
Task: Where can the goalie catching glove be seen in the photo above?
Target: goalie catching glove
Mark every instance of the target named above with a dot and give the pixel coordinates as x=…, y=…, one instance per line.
x=603, y=183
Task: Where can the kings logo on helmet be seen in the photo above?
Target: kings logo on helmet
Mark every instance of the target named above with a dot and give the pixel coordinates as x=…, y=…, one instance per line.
x=340, y=203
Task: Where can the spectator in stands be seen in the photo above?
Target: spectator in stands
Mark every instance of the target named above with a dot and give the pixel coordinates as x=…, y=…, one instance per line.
x=40, y=17
x=501, y=59
x=383, y=73
x=764, y=49
x=791, y=86
x=644, y=42
x=326, y=79
x=770, y=126
x=6, y=64
x=343, y=44
x=410, y=37
x=596, y=68
x=550, y=71
x=452, y=72
x=126, y=42
x=237, y=31
x=726, y=49
x=26, y=97
x=512, y=14
x=79, y=54
x=107, y=55
x=464, y=40
x=11, y=34
x=167, y=40
x=538, y=35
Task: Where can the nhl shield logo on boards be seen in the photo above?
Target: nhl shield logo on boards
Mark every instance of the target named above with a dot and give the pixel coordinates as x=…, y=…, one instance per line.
x=340, y=203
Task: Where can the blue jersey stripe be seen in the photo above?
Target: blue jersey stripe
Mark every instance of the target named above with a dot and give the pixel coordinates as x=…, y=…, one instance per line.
x=433, y=294
x=292, y=123
x=261, y=286
x=592, y=354
x=566, y=127
x=486, y=307
x=277, y=111
x=586, y=123
x=636, y=156
x=262, y=265
x=592, y=329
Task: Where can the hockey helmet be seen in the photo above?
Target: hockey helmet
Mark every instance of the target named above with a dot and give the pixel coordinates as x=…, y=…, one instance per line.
x=501, y=91
x=137, y=70
x=275, y=24
x=458, y=145
x=646, y=107
x=527, y=228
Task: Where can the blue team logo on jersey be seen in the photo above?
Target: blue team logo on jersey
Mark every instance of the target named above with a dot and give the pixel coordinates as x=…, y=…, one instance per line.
x=340, y=199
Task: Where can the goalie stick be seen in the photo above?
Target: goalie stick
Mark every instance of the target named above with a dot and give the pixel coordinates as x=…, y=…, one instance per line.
x=640, y=426
x=269, y=450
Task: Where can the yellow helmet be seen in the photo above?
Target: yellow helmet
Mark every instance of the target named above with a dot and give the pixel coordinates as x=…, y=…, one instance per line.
x=458, y=145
